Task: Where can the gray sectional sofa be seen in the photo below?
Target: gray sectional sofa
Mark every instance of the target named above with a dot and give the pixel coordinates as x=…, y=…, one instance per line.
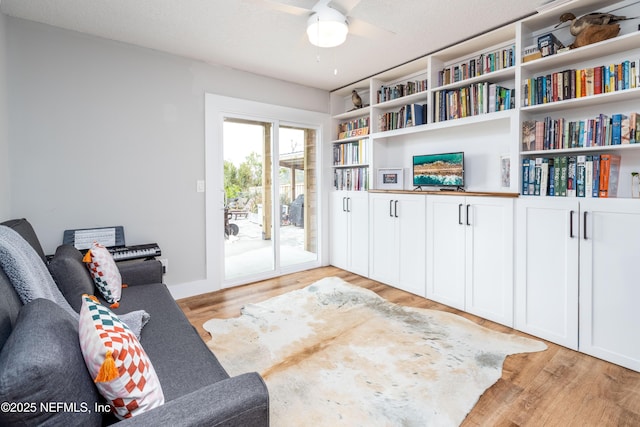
x=43, y=378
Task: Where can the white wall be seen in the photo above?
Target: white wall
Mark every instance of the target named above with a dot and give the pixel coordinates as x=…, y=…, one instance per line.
x=104, y=133
x=4, y=142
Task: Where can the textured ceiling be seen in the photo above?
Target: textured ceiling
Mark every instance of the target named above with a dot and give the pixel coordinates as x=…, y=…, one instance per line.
x=268, y=37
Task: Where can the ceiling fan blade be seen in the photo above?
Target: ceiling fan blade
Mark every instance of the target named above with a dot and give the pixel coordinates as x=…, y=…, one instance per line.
x=345, y=6
x=361, y=28
x=291, y=7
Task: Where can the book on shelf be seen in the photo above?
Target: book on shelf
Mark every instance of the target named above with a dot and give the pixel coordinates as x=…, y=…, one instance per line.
x=571, y=176
x=477, y=66
x=350, y=153
x=579, y=83
x=351, y=179
x=352, y=128
x=583, y=176
x=609, y=175
x=472, y=100
x=388, y=93
x=407, y=116
x=600, y=131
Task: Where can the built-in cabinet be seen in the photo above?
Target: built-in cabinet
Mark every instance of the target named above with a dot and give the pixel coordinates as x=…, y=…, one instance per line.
x=349, y=234
x=570, y=277
x=577, y=275
x=470, y=254
x=547, y=248
x=398, y=240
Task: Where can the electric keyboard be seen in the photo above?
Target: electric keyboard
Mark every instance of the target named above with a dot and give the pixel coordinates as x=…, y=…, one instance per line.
x=124, y=253
x=113, y=239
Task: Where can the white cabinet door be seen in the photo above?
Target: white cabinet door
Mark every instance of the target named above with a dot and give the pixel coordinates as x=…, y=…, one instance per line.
x=411, y=211
x=339, y=242
x=383, y=252
x=489, y=258
x=547, y=236
x=609, y=281
x=397, y=241
x=357, y=205
x=446, y=250
x=349, y=243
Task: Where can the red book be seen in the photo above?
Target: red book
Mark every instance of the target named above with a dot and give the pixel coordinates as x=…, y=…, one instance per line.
x=597, y=80
x=609, y=174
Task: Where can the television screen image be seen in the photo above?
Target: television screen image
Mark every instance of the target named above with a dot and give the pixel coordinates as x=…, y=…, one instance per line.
x=439, y=170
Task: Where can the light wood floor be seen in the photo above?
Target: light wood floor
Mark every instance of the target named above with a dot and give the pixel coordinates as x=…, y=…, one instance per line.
x=556, y=387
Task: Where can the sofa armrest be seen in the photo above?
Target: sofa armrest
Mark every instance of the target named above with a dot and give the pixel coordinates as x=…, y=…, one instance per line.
x=140, y=272
x=239, y=401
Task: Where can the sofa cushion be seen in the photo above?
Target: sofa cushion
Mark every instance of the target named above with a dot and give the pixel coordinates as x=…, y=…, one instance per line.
x=105, y=273
x=41, y=362
x=117, y=362
x=71, y=275
x=168, y=337
x=24, y=228
x=9, y=308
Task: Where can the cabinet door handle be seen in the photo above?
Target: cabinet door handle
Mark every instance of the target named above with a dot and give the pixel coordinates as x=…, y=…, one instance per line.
x=468, y=223
x=460, y=214
x=343, y=201
x=584, y=225
x=571, y=224
x=348, y=204
x=391, y=208
x=396, y=209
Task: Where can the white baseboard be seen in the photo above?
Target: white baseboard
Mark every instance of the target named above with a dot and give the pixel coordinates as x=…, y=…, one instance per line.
x=190, y=289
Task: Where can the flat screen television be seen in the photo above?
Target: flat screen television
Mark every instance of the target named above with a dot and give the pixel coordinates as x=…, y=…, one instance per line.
x=439, y=170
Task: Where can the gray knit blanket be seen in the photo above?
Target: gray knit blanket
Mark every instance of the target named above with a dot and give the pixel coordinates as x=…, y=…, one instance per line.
x=31, y=278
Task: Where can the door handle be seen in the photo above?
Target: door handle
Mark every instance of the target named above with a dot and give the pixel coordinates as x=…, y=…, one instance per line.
x=460, y=214
x=396, y=209
x=391, y=208
x=571, y=223
x=348, y=204
x=468, y=205
x=584, y=225
x=343, y=202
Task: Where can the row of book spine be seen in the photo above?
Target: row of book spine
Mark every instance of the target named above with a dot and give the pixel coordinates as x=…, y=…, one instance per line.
x=354, y=128
x=351, y=179
x=409, y=115
x=351, y=153
x=359, y=123
x=387, y=93
x=601, y=131
x=570, y=84
x=571, y=176
x=472, y=100
x=483, y=64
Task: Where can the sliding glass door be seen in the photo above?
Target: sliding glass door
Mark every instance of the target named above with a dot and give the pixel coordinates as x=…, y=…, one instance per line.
x=270, y=198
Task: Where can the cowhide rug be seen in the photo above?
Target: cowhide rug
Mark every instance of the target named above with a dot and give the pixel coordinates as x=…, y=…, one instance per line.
x=336, y=354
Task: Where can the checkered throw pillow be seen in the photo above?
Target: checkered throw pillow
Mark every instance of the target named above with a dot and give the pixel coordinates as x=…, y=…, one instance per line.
x=105, y=273
x=116, y=361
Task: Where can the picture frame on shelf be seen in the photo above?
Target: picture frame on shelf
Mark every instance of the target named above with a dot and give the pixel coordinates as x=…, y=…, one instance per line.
x=390, y=179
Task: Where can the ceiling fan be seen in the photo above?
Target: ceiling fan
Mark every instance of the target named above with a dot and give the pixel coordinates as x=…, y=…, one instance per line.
x=329, y=21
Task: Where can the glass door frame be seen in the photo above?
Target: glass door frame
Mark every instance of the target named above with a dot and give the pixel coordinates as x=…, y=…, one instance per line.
x=218, y=107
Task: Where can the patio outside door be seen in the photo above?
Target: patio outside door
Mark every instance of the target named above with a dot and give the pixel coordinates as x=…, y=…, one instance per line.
x=270, y=218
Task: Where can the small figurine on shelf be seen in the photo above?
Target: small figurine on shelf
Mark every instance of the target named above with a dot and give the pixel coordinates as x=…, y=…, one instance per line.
x=355, y=98
x=592, y=27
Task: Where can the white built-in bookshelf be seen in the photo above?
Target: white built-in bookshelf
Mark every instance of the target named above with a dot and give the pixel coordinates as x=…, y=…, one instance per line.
x=476, y=96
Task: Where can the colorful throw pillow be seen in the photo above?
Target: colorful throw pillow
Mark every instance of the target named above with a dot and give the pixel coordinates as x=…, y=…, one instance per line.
x=116, y=361
x=105, y=273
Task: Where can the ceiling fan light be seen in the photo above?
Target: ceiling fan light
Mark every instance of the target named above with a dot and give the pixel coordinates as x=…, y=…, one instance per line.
x=326, y=31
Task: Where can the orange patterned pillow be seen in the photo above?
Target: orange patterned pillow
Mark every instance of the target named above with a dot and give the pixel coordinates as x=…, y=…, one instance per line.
x=105, y=273
x=116, y=361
